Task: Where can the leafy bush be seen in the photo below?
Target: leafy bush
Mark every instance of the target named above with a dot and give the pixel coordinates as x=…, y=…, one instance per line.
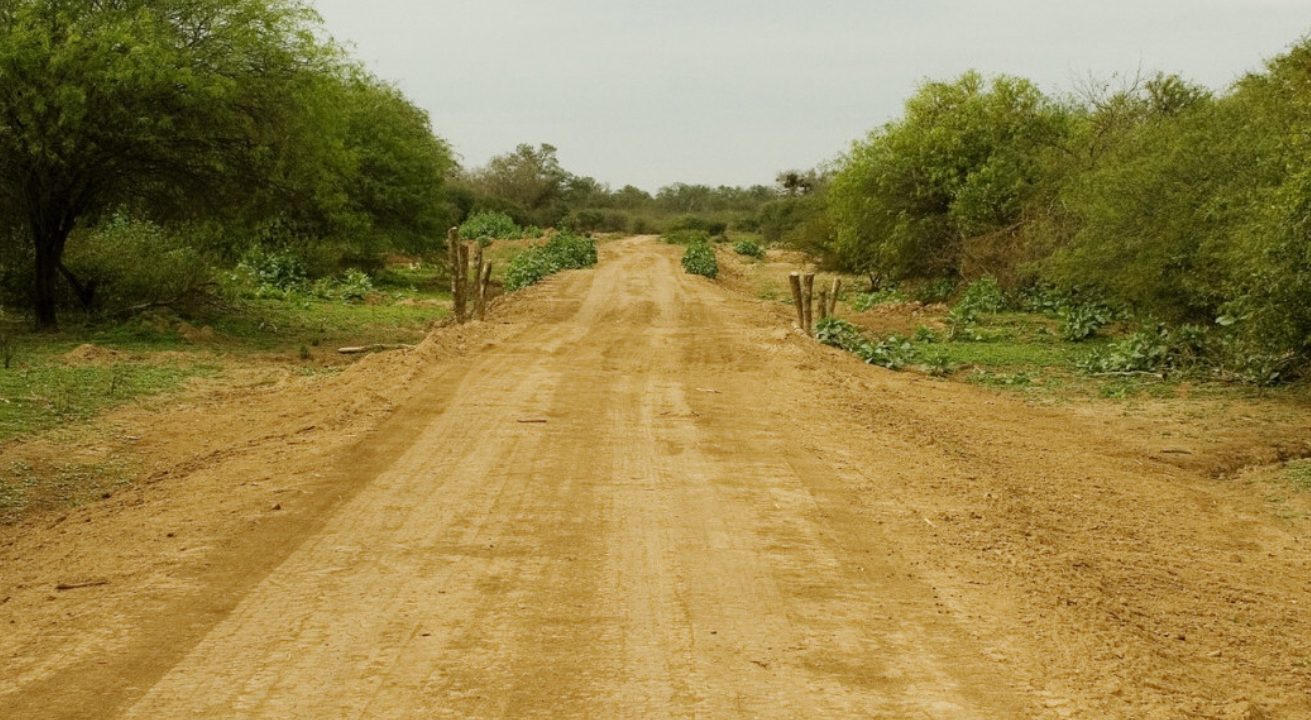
x=132, y=263
x=699, y=259
x=354, y=285
x=490, y=225
x=983, y=296
x=697, y=222
x=273, y=271
x=892, y=352
x=749, y=249
x=564, y=251
x=1080, y=322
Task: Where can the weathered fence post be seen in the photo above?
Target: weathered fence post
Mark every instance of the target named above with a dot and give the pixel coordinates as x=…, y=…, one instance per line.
x=457, y=285
x=797, y=300
x=462, y=302
x=476, y=286
x=833, y=297
x=823, y=303
x=484, y=284
x=808, y=297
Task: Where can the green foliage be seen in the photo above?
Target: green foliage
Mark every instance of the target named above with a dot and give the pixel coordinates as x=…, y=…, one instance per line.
x=273, y=272
x=749, y=249
x=982, y=297
x=489, y=225
x=686, y=237
x=696, y=223
x=1082, y=321
x=132, y=263
x=961, y=164
x=699, y=259
x=866, y=301
x=564, y=251
x=892, y=352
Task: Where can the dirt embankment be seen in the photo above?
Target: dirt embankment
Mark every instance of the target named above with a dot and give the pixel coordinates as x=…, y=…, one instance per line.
x=637, y=494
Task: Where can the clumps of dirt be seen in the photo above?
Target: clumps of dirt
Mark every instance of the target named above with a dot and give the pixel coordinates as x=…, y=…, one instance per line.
x=89, y=354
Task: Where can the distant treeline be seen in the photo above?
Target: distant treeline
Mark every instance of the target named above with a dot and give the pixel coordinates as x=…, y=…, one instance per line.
x=530, y=186
x=1182, y=206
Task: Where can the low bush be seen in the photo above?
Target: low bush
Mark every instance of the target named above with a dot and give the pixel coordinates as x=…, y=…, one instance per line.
x=564, y=251
x=125, y=263
x=749, y=249
x=490, y=225
x=697, y=222
x=699, y=259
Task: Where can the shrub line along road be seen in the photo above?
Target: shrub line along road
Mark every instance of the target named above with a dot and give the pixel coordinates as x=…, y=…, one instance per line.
x=648, y=501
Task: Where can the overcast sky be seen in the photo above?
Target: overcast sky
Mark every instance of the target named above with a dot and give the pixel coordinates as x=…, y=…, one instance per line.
x=732, y=91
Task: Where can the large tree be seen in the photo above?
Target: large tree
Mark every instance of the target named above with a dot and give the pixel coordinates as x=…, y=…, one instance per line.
x=180, y=104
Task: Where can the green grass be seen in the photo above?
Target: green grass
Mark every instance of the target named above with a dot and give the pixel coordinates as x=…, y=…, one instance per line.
x=273, y=325
x=39, y=398
x=67, y=484
x=1299, y=474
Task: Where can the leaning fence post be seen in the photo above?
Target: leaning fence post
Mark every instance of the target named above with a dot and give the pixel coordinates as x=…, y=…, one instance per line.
x=795, y=280
x=808, y=297
x=833, y=297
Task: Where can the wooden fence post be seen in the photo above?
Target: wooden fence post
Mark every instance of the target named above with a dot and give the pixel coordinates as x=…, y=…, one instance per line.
x=795, y=280
x=808, y=297
x=823, y=303
x=833, y=297
x=484, y=284
x=453, y=257
x=476, y=286
x=462, y=302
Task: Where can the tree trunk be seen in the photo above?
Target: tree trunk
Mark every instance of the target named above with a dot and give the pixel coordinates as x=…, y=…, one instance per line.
x=49, y=238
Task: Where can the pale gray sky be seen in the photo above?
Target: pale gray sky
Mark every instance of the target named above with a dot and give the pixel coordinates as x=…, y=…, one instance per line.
x=733, y=91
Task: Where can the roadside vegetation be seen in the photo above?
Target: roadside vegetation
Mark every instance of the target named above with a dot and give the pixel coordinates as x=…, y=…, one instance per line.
x=1176, y=210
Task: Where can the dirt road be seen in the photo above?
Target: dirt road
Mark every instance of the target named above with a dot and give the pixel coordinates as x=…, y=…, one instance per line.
x=646, y=499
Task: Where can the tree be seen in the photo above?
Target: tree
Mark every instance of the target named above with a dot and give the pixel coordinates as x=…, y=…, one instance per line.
x=177, y=104
x=960, y=165
x=529, y=178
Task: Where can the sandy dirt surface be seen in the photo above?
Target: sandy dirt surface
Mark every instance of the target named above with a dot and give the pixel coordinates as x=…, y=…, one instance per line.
x=637, y=494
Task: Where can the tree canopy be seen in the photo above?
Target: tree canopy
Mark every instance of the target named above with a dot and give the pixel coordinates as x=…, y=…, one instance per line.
x=186, y=108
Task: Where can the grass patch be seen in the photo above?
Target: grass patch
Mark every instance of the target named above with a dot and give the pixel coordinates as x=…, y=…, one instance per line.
x=1299, y=474
x=24, y=487
x=36, y=399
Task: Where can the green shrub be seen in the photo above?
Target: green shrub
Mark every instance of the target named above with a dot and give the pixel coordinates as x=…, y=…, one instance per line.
x=699, y=259
x=273, y=271
x=1080, y=322
x=892, y=352
x=697, y=222
x=749, y=249
x=490, y=225
x=686, y=237
x=564, y=251
x=134, y=263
